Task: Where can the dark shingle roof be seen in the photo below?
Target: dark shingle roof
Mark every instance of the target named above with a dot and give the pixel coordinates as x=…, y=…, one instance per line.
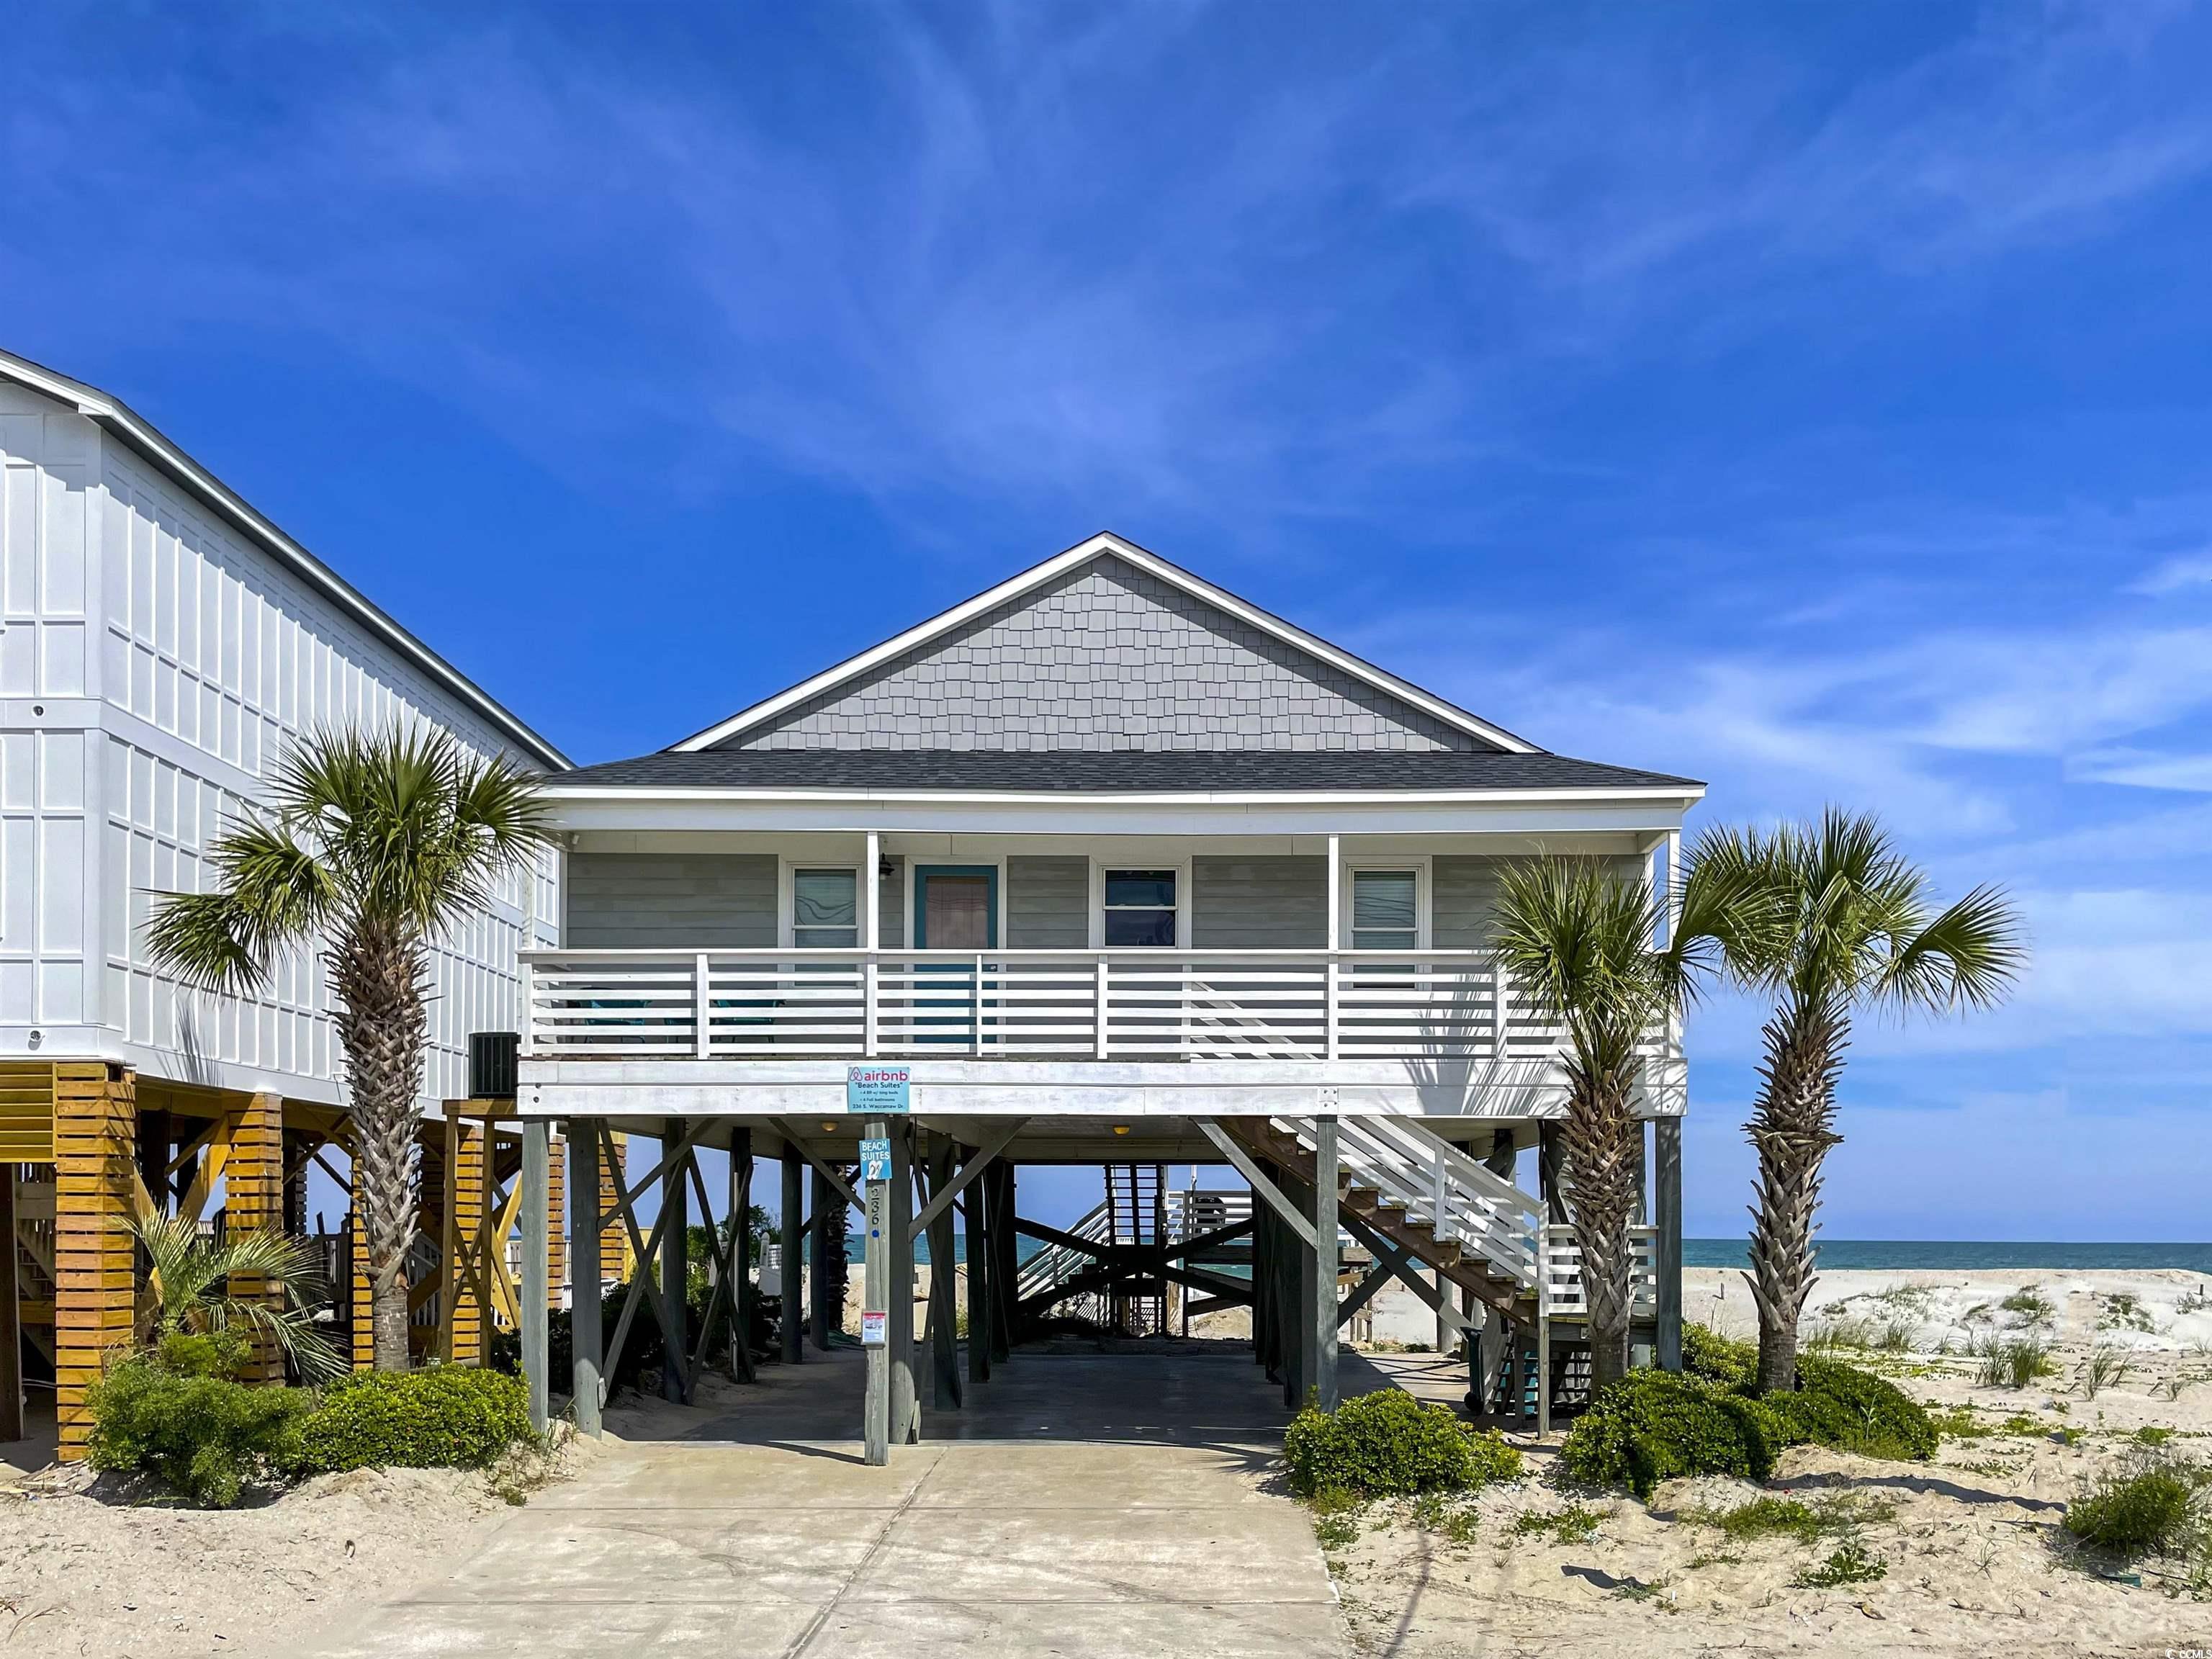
x=1110, y=772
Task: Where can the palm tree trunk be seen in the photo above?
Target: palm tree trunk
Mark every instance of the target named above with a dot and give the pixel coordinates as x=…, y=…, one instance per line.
x=382, y=1024
x=1600, y=1137
x=1791, y=1128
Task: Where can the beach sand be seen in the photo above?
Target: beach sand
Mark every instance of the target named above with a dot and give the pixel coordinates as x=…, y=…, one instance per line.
x=1975, y=1562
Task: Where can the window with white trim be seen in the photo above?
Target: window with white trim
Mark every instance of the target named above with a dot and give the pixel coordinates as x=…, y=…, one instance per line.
x=1140, y=906
x=825, y=909
x=1385, y=909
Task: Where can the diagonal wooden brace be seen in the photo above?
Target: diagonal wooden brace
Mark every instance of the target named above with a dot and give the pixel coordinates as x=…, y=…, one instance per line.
x=969, y=1170
x=1292, y=1216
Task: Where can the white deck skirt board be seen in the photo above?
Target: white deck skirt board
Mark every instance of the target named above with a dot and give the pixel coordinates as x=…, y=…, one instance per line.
x=1097, y=1090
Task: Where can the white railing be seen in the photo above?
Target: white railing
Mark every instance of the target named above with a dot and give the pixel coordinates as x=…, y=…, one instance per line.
x=1193, y=1211
x=1562, y=1270
x=1441, y=1189
x=1056, y=1264
x=1131, y=1005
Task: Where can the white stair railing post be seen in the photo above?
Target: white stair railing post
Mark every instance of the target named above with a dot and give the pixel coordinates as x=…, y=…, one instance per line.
x=871, y=1026
x=702, y=1000
x=529, y=986
x=1103, y=1043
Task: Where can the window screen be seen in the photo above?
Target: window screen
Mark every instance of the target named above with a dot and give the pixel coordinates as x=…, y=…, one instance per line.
x=1383, y=910
x=1140, y=906
x=825, y=908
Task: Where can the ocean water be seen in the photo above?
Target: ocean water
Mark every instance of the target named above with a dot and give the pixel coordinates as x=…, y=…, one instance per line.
x=1963, y=1254
x=1930, y=1255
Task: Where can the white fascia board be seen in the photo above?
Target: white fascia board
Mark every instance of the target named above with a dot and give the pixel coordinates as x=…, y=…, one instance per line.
x=120, y=419
x=1524, y=812
x=1037, y=576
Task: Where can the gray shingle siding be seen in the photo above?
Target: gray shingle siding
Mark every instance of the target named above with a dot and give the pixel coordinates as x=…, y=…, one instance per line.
x=671, y=901
x=1048, y=903
x=1259, y=903
x=1108, y=657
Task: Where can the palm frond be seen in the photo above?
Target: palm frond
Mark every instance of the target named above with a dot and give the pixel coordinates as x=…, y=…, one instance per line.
x=202, y=938
x=1968, y=957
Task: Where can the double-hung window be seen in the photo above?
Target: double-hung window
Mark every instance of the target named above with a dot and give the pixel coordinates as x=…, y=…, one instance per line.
x=825, y=909
x=1140, y=907
x=1385, y=910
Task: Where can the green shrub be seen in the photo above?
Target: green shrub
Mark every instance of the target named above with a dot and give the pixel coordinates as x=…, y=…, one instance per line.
x=1389, y=1445
x=179, y=1414
x=1653, y=1426
x=2154, y=1505
x=446, y=1417
x=1718, y=1359
x=1878, y=1418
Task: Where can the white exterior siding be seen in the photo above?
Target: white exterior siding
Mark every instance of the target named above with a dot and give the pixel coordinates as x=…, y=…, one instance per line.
x=124, y=757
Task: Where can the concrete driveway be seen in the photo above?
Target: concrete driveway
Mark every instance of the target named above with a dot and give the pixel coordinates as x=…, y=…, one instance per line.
x=1084, y=1504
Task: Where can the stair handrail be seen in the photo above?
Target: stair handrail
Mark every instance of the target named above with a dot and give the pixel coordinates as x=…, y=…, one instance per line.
x=1481, y=1210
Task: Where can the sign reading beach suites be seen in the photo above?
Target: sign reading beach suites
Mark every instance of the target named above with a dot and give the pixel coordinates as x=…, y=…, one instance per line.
x=877, y=1090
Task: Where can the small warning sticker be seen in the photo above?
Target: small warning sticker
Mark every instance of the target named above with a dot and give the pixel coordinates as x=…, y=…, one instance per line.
x=874, y=1327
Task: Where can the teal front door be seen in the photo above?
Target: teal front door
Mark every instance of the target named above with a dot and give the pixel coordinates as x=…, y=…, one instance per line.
x=955, y=908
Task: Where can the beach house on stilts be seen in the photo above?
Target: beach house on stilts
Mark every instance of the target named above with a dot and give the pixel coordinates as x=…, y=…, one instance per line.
x=1105, y=865
x=161, y=643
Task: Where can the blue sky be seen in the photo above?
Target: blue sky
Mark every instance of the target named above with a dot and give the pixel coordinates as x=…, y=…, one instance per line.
x=1812, y=400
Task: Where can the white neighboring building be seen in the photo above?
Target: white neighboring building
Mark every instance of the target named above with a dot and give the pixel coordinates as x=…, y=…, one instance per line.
x=159, y=642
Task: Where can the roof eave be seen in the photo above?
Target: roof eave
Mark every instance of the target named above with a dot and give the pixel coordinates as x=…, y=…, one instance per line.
x=114, y=416
x=1688, y=793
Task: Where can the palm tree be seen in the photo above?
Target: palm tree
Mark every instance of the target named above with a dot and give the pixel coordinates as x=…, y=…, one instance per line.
x=370, y=845
x=1581, y=943
x=1854, y=926
x=191, y=1281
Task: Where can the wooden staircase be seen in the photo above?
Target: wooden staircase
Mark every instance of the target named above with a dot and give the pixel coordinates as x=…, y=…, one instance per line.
x=1473, y=1228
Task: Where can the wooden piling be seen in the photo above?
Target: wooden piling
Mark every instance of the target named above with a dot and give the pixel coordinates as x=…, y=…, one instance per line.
x=1322, y=1309
x=973, y=1211
x=96, y=1129
x=675, y=1264
x=586, y=1253
x=537, y=1178
x=253, y=1180
x=906, y=1398
x=794, y=1257
x=944, y=1339
x=875, y=1303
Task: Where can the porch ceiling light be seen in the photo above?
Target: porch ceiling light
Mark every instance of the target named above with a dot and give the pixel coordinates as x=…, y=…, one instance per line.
x=1120, y=1128
x=829, y=1128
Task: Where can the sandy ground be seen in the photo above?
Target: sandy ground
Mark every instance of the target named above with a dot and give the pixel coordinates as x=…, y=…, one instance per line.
x=1975, y=1563
x=96, y=1575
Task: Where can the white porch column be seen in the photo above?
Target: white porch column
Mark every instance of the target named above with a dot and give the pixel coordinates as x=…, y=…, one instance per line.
x=1332, y=979
x=872, y=904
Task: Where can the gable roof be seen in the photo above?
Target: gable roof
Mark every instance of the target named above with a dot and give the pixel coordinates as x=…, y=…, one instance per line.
x=113, y=415
x=1104, y=545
